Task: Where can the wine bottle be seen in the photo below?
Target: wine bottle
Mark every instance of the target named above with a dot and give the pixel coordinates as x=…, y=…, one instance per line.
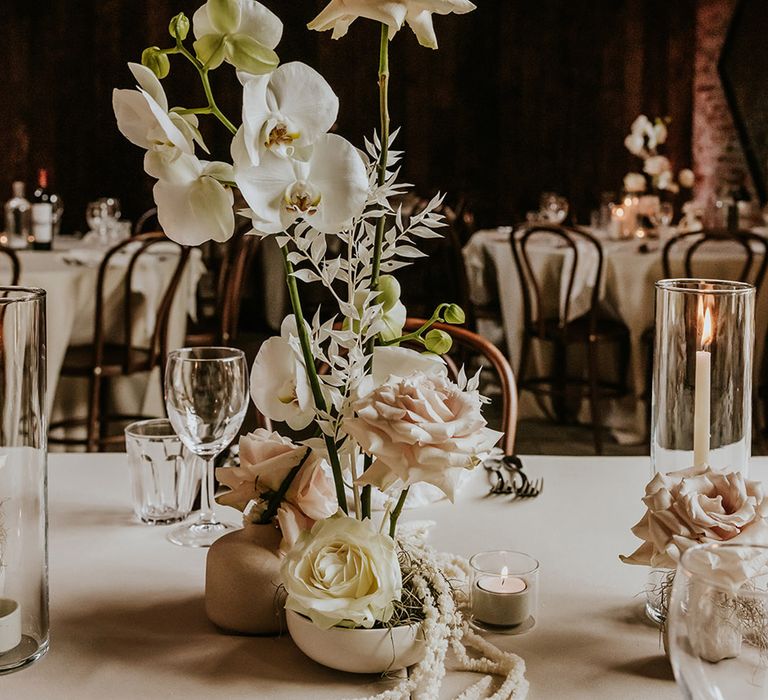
x=18, y=217
x=42, y=213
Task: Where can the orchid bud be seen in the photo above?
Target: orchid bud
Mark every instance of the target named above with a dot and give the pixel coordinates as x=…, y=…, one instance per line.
x=156, y=61
x=438, y=342
x=179, y=27
x=454, y=314
x=389, y=291
x=247, y=54
x=224, y=15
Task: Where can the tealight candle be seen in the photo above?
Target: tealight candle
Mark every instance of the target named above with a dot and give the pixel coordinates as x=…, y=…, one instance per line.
x=10, y=625
x=503, y=588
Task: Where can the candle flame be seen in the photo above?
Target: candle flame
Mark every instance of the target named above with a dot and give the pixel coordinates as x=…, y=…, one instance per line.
x=504, y=572
x=619, y=212
x=706, y=331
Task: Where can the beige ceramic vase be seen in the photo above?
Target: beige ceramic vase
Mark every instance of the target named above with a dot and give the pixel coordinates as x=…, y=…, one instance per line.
x=242, y=581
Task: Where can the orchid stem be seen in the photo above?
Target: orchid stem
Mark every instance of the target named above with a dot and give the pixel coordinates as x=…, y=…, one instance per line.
x=365, y=497
x=395, y=516
x=203, y=71
x=314, y=380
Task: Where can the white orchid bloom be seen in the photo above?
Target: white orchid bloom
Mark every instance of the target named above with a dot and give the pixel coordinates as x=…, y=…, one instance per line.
x=339, y=14
x=327, y=190
x=193, y=206
x=660, y=132
x=665, y=181
x=656, y=165
x=279, y=383
x=143, y=118
x=243, y=33
x=285, y=112
x=686, y=178
x=635, y=144
x=634, y=182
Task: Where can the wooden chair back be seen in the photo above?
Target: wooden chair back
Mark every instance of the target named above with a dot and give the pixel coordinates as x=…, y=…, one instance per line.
x=752, y=246
x=147, y=222
x=15, y=264
x=532, y=287
x=469, y=340
x=133, y=360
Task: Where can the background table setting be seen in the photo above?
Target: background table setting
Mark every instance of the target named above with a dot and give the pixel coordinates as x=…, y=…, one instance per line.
x=631, y=267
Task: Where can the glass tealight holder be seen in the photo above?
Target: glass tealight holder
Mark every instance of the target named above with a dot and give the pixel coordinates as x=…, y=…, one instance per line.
x=504, y=591
x=701, y=413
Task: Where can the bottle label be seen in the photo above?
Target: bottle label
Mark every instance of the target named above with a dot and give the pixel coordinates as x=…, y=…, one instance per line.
x=42, y=222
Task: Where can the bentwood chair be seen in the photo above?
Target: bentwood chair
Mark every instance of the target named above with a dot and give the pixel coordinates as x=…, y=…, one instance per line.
x=220, y=327
x=753, y=248
x=147, y=222
x=466, y=342
x=15, y=265
x=591, y=330
x=682, y=257
x=107, y=359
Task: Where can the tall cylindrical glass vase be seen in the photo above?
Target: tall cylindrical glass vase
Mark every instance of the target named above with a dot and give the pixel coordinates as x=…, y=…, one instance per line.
x=23, y=479
x=702, y=375
x=702, y=385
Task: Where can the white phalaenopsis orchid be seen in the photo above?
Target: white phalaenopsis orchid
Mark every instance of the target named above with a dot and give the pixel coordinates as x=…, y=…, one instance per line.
x=241, y=32
x=285, y=112
x=143, y=118
x=279, y=383
x=327, y=191
x=339, y=14
x=193, y=206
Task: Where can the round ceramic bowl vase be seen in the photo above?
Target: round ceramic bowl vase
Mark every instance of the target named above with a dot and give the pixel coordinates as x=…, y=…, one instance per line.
x=357, y=650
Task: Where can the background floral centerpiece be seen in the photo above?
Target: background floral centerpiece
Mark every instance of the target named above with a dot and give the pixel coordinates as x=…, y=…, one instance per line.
x=381, y=415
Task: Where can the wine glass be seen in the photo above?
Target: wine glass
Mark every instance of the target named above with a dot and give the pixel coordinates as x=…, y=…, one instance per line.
x=206, y=395
x=718, y=622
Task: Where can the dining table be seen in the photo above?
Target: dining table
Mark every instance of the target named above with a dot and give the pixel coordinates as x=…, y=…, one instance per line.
x=68, y=274
x=127, y=606
x=631, y=267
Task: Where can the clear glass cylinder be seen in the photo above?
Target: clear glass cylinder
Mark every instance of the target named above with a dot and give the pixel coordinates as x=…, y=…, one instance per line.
x=701, y=410
x=23, y=479
x=702, y=375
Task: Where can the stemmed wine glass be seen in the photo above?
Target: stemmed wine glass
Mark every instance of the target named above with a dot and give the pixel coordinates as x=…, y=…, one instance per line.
x=206, y=395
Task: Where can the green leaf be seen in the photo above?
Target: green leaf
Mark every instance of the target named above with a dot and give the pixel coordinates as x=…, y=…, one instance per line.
x=247, y=54
x=179, y=27
x=156, y=61
x=210, y=50
x=224, y=15
x=454, y=314
x=438, y=342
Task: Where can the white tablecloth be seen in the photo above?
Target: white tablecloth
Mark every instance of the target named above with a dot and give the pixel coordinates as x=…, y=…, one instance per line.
x=627, y=293
x=128, y=622
x=71, y=306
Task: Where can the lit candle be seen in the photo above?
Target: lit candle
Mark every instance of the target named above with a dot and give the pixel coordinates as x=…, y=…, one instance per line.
x=702, y=390
x=617, y=222
x=502, y=600
x=10, y=625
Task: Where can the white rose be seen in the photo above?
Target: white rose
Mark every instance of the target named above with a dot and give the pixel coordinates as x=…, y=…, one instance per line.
x=634, y=182
x=339, y=14
x=419, y=425
x=686, y=178
x=655, y=165
x=279, y=383
x=265, y=461
x=343, y=572
x=694, y=506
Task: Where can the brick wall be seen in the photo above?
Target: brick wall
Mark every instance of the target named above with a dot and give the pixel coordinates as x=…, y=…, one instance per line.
x=717, y=154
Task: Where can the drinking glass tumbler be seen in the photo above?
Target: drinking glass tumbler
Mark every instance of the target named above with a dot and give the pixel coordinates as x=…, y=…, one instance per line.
x=164, y=474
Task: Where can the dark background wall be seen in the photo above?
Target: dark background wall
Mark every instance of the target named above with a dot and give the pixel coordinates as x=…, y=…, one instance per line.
x=522, y=96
